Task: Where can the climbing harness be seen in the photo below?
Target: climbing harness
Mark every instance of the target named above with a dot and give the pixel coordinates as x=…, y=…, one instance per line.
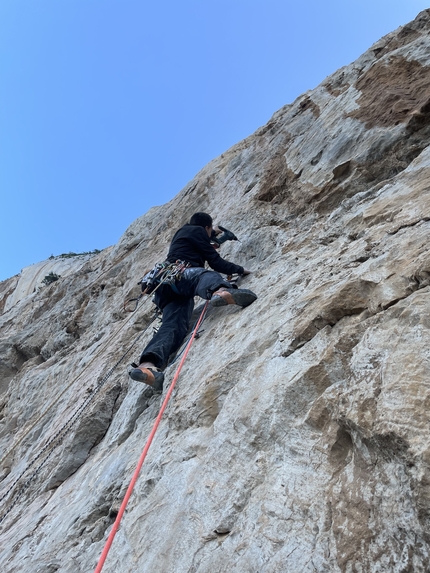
x=168, y=273
x=147, y=446
x=59, y=436
x=162, y=273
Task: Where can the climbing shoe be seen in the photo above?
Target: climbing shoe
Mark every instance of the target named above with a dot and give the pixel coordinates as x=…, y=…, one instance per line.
x=151, y=377
x=240, y=296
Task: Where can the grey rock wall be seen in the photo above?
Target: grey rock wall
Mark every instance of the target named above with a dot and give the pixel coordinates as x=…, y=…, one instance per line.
x=297, y=438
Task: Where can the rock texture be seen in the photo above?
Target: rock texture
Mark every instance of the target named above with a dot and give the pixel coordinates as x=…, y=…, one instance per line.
x=297, y=438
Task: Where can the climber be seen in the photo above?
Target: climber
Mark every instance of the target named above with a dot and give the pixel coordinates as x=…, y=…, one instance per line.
x=191, y=244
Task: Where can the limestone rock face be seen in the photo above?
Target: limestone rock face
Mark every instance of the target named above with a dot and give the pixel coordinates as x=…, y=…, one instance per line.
x=297, y=437
x=31, y=278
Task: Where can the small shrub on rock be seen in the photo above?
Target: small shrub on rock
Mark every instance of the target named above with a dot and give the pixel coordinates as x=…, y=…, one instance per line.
x=51, y=278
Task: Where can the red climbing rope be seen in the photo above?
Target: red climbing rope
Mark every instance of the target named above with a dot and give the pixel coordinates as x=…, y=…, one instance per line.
x=146, y=448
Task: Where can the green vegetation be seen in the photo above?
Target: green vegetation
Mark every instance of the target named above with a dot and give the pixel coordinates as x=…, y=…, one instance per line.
x=51, y=278
x=70, y=255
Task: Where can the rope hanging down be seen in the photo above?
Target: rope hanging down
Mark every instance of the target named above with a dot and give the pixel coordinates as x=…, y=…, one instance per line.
x=26, y=431
x=86, y=287
x=59, y=436
x=146, y=448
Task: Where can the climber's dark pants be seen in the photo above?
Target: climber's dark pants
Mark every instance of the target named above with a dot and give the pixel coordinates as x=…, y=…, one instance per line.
x=177, y=308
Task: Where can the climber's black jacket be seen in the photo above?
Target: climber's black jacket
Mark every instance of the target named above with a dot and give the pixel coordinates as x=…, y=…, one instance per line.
x=192, y=245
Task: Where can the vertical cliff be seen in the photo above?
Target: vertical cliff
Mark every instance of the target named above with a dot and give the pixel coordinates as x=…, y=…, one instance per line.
x=297, y=438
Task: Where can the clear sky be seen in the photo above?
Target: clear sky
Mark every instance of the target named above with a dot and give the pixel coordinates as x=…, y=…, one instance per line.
x=108, y=107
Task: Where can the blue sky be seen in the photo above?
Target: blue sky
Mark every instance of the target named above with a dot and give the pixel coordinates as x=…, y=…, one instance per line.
x=108, y=107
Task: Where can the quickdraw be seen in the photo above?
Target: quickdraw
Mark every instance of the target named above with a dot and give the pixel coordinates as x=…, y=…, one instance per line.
x=162, y=273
